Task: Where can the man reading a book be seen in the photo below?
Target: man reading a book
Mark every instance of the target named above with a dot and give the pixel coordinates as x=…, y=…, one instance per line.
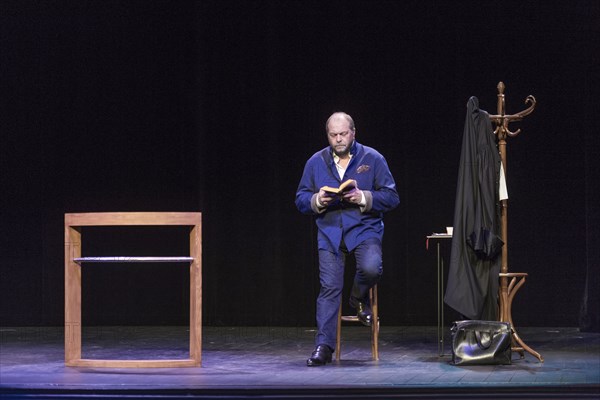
x=347, y=187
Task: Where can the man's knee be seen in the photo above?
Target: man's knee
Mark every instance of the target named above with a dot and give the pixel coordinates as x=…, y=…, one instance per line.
x=373, y=270
x=371, y=260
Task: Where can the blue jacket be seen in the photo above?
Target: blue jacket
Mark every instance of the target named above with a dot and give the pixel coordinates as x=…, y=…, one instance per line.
x=343, y=220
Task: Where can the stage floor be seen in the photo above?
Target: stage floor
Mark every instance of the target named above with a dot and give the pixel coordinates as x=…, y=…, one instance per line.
x=270, y=362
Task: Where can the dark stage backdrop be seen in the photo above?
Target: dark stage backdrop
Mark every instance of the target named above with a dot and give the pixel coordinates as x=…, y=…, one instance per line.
x=214, y=106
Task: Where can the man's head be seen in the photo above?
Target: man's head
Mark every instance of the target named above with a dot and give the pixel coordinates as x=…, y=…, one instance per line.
x=340, y=133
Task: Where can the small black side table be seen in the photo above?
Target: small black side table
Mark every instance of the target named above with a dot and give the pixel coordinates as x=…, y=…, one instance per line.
x=440, y=289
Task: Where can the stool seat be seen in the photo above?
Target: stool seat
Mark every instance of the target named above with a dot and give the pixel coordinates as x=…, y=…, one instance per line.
x=354, y=318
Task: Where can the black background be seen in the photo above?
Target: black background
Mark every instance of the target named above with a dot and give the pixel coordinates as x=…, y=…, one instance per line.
x=214, y=106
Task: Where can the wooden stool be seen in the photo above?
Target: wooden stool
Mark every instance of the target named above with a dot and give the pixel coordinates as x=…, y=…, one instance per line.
x=354, y=318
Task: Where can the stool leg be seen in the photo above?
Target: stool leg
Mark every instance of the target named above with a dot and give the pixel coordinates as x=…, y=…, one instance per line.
x=375, y=324
x=338, y=341
x=374, y=328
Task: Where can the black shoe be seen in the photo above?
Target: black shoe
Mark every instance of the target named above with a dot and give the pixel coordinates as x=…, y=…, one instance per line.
x=321, y=356
x=363, y=311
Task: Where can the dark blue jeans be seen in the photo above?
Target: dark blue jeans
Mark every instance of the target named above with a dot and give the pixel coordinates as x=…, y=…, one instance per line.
x=369, y=267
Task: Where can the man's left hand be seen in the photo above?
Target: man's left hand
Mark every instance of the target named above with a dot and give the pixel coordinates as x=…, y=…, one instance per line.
x=353, y=197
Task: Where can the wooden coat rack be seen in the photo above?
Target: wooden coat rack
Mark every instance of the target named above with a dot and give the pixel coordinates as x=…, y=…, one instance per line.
x=517, y=279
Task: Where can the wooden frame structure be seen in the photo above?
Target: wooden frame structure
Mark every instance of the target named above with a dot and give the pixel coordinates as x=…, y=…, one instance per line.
x=73, y=261
x=517, y=279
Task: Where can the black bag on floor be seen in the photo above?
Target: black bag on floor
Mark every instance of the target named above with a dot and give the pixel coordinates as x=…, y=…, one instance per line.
x=481, y=342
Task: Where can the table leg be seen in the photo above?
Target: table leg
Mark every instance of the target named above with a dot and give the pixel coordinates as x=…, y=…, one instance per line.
x=440, y=304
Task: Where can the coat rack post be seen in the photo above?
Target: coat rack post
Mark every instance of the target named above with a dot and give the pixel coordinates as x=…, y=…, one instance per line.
x=517, y=279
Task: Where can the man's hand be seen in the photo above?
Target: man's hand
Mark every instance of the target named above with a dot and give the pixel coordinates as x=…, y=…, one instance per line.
x=353, y=196
x=324, y=198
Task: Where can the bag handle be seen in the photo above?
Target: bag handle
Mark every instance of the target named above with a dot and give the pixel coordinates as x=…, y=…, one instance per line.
x=484, y=339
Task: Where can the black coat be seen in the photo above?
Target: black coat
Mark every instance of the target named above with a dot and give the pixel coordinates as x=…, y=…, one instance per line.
x=475, y=259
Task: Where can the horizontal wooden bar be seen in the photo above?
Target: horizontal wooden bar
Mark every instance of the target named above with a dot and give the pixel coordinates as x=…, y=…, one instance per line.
x=128, y=259
x=133, y=218
x=133, y=363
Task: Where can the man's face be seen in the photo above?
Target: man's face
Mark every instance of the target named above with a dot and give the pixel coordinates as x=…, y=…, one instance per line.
x=340, y=136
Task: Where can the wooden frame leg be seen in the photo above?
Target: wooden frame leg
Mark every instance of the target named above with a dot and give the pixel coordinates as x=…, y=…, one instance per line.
x=72, y=296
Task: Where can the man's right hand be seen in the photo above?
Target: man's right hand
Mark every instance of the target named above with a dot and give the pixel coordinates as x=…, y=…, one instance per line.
x=324, y=198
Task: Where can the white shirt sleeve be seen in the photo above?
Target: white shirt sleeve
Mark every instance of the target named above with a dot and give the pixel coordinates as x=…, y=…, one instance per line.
x=503, y=190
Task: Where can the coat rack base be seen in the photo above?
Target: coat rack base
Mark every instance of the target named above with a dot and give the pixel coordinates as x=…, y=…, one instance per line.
x=508, y=290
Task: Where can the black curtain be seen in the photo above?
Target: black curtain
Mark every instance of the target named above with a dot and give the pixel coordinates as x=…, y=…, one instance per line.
x=589, y=317
x=214, y=106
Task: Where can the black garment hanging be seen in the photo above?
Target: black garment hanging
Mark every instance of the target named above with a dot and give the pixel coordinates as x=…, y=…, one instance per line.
x=475, y=259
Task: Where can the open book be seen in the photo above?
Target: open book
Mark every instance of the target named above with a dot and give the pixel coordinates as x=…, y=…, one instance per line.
x=345, y=187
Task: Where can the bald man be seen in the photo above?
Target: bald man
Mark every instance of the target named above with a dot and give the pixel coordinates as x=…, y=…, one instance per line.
x=349, y=223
